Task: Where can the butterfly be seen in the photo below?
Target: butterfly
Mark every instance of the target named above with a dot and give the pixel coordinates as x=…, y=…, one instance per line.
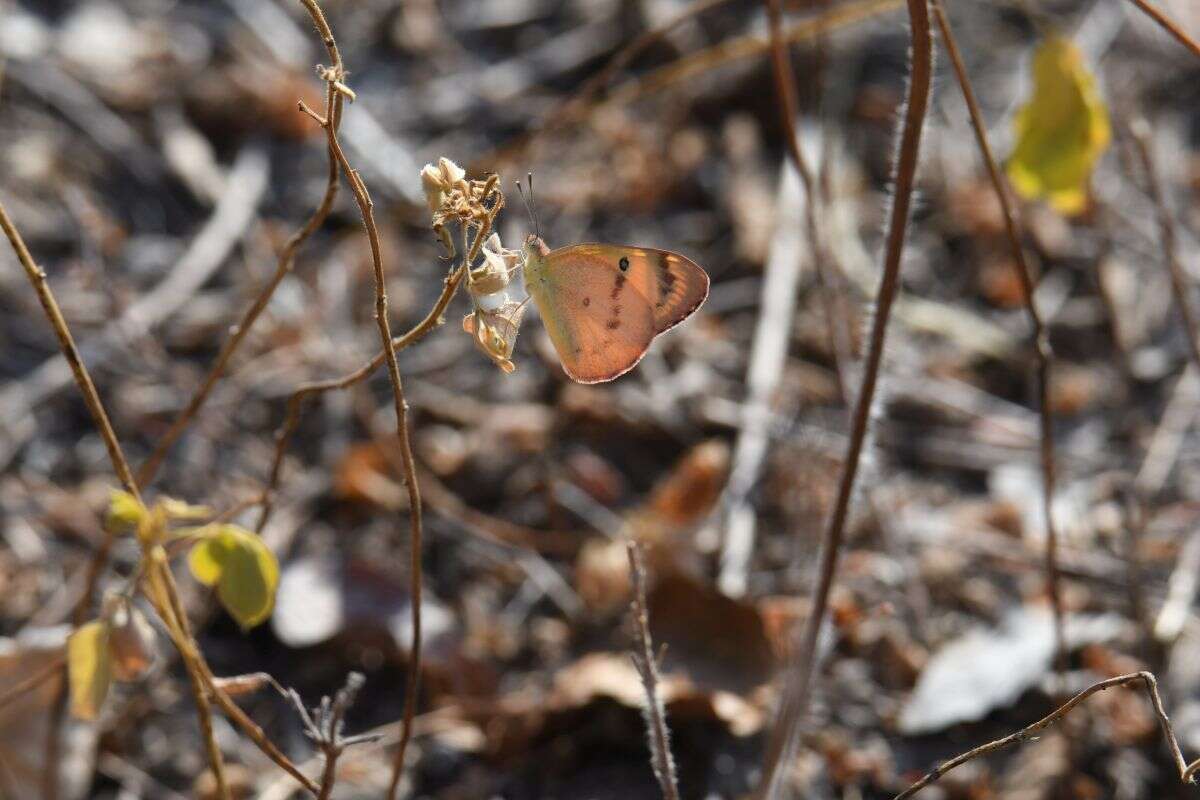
x=603, y=304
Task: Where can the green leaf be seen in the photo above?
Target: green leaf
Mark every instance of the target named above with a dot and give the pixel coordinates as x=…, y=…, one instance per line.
x=124, y=510
x=1061, y=132
x=89, y=669
x=242, y=568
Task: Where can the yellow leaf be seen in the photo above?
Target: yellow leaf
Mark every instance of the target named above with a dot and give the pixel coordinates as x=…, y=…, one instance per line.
x=124, y=510
x=207, y=559
x=89, y=669
x=243, y=569
x=1061, y=132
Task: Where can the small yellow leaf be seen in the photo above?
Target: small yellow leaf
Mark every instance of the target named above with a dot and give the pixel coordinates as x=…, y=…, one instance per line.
x=1061, y=132
x=124, y=510
x=207, y=559
x=89, y=669
x=243, y=569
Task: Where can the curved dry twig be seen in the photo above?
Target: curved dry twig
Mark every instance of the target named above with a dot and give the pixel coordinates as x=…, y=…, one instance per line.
x=1187, y=772
x=335, y=74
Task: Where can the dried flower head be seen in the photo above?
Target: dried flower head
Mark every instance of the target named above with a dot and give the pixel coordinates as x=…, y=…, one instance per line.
x=495, y=332
x=469, y=209
x=453, y=199
x=439, y=180
x=494, y=274
x=499, y=304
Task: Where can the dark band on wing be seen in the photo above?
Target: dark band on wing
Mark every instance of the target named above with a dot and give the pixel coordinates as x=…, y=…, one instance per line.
x=677, y=297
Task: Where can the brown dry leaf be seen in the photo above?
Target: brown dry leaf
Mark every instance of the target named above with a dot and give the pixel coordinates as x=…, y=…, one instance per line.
x=687, y=493
x=602, y=674
x=596, y=476
x=1074, y=389
x=614, y=675
x=975, y=210
x=362, y=476
x=1000, y=283
x=717, y=641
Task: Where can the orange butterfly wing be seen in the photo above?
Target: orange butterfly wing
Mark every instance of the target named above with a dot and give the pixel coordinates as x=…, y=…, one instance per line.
x=604, y=304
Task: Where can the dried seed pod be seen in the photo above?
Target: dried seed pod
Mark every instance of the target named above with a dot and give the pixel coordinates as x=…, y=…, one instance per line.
x=131, y=639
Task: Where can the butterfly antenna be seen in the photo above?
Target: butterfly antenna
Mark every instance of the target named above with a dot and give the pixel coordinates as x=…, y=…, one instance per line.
x=528, y=206
x=537, y=228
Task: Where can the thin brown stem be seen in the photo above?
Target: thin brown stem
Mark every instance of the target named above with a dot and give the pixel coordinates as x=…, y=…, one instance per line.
x=1186, y=771
x=646, y=663
x=1166, y=225
x=336, y=72
x=329, y=773
x=799, y=685
x=37, y=277
x=1038, y=332
x=173, y=615
x=1168, y=25
x=283, y=267
x=296, y=401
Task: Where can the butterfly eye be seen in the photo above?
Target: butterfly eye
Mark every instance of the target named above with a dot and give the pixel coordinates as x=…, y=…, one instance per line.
x=623, y=263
